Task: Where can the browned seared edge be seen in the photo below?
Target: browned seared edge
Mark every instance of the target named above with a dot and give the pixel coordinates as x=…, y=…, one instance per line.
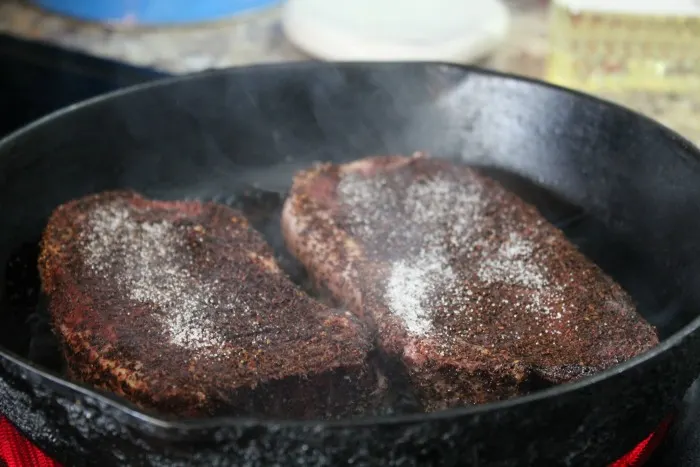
x=180, y=307
x=470, y=287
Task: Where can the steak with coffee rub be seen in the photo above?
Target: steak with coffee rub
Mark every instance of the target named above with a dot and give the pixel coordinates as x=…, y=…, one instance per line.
x=469, y=287
x=180, y=307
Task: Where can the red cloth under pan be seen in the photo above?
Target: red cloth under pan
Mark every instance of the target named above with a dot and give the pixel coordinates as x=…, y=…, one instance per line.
x=640, y=455
x=16, y=451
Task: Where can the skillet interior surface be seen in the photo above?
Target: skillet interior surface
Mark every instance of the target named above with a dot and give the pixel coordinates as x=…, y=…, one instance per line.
x=624, y=189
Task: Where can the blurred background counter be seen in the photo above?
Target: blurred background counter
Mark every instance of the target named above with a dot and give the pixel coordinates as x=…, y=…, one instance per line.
x=257, y=37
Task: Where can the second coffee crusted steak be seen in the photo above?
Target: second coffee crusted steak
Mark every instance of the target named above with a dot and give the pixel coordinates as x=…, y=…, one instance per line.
x=469, y=287
x=181, y=307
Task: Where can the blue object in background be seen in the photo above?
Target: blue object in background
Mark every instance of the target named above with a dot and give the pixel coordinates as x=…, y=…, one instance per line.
x=153, y=12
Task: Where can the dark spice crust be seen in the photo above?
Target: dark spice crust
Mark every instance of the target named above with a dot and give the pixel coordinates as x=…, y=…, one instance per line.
x=481, y=366
x=309, y=362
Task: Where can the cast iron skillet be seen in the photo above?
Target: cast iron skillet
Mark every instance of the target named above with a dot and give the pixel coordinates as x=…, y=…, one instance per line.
x=625, y=189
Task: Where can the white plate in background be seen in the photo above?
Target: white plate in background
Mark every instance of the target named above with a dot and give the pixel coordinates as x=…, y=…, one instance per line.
x=458, y=31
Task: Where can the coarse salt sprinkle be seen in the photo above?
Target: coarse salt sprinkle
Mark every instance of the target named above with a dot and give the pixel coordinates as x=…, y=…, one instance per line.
x=151, y=272
x=426, y=224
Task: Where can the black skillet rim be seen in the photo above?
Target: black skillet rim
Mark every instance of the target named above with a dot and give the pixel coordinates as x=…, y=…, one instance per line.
x=222, y=422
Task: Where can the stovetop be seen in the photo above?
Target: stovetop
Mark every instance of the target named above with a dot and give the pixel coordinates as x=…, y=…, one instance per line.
x=682, y=446
x=37, y=79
